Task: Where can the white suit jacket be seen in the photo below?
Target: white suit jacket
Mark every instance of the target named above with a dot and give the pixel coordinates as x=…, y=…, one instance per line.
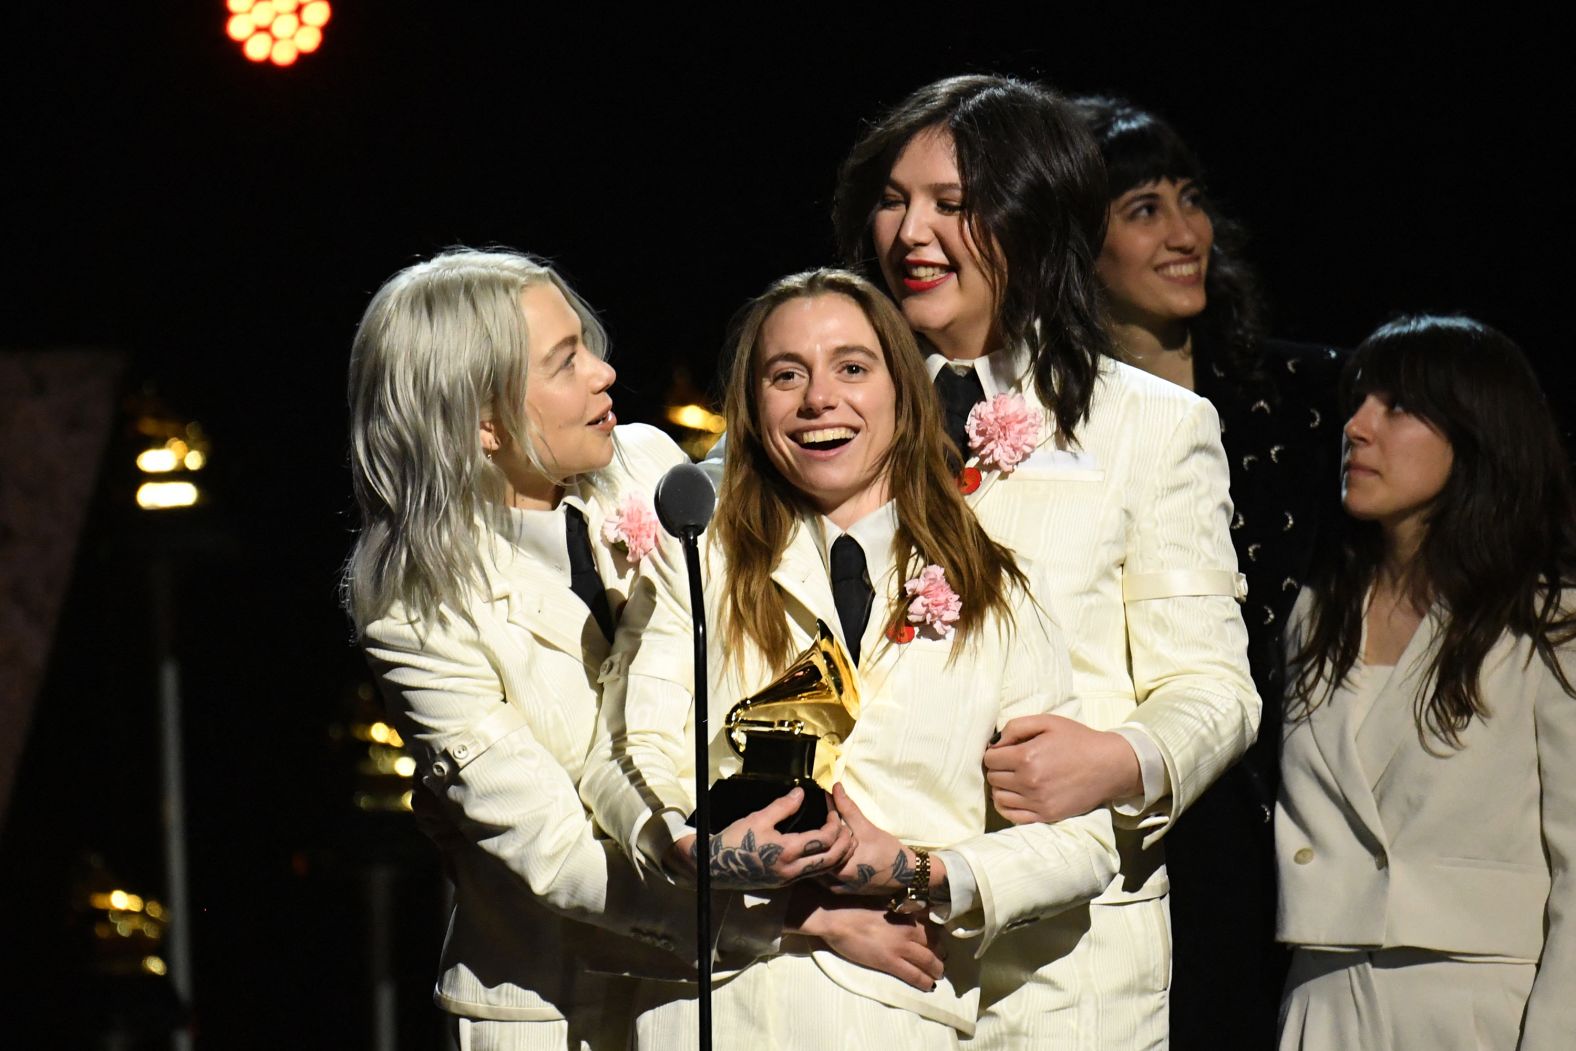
x=500, y=718
x=1380, y=843
x=1130, y=527
x=913, y=763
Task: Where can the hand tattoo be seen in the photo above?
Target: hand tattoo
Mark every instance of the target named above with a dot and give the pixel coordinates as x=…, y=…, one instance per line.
x=902, y=871
x=744, y=867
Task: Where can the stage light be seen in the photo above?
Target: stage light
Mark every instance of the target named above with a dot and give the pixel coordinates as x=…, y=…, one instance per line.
x=156, y=461
x=153, y=965
x=697, y=418
x=159, y=496
x=256, y=47
x=277, y=31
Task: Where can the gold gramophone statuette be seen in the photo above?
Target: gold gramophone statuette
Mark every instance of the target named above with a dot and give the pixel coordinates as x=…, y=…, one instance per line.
x=789, y=735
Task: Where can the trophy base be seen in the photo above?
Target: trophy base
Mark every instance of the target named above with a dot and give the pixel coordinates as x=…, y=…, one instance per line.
x=736, y=797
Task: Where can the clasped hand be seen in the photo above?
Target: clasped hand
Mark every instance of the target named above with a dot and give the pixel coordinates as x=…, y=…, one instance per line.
x=1047, y=768
x=751, y=854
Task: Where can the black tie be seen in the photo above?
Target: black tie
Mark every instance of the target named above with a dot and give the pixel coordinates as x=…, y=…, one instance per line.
x=584, y=580
x=959, y=394
x=851, y=591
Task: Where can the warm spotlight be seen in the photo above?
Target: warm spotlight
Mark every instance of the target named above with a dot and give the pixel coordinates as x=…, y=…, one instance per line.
x=159, y=496
x=277, y=31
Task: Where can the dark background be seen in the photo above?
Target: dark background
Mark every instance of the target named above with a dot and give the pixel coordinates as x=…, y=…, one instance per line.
x=224, y=223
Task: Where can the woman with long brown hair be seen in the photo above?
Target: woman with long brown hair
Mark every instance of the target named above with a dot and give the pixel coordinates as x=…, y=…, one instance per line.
x=1426, y=827
x=838, y=504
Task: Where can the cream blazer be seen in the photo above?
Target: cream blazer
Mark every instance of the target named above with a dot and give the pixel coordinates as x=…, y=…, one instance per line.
x=912, y=764
x=1380, y=843
x=499, y=718
x=1130, y=526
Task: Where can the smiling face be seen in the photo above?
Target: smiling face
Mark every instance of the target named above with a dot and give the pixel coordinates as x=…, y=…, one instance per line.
x=567, y=407
x=826, y=403
x=928, y=254
x=1156, y=254
x=1396, y=465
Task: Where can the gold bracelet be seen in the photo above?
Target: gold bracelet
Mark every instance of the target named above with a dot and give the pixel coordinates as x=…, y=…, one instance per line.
x=916, y=896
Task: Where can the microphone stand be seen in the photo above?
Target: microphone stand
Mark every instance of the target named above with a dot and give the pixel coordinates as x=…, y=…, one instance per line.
x=685, y=501
x=690, y=540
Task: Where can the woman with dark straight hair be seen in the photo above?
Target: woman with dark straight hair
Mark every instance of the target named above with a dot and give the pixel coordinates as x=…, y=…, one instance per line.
x=980, y=202
x=1185, y=306
x=1426, y=828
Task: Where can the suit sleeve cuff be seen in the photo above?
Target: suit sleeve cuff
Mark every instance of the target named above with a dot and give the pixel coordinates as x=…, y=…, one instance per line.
x=963, y=892
x=1151, y=769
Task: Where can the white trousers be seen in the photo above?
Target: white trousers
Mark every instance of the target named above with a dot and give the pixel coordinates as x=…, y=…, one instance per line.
x=1090, y=979
x=782, y=1003
x=1400, y=999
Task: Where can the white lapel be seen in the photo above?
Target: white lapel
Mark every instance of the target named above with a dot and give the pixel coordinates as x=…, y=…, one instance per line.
x=1009, y=375
x=1330, y=725
x=802, y=575
x=541, y=604
x=1392, y=720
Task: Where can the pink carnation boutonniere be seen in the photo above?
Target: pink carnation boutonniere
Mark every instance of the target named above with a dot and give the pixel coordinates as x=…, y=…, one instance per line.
x=633, y=527
x=1003, y=431
x=933, y=606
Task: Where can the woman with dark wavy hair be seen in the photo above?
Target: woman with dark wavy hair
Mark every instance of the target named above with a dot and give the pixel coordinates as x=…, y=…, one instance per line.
x=1426, y=827
x=1185, y=305
x=980, y=202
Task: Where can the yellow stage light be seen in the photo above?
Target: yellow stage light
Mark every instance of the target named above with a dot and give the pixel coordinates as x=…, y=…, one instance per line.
x=277, y=31
x=194, y=459
x=156, y=461
x=405, y=766
x=153, y=965
x=316, y=13
x=158, y=496
x=696, y=418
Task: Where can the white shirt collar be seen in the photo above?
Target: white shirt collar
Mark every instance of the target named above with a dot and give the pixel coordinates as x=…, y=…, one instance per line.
x=1000, y=372
x=542, y=537
x=875, y=533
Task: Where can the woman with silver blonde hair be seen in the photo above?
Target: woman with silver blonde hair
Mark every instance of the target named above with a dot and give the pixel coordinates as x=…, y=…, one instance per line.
x=503, y=515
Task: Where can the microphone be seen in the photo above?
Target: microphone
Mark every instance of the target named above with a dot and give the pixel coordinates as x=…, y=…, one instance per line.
x=685, y=501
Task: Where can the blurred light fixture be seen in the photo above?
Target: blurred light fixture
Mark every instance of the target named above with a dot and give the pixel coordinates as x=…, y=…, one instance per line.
x=696, y=418
x=173, y=448
x=277, y=31
x=161, y=496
